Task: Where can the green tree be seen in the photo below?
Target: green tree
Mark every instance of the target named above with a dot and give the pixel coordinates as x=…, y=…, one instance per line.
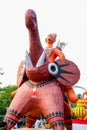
x=5, y=97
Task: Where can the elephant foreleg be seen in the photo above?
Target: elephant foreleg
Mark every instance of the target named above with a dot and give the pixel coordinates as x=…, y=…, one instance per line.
x=52, y=105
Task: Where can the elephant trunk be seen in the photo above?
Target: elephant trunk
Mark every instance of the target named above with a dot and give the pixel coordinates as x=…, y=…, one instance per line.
x=35, y=47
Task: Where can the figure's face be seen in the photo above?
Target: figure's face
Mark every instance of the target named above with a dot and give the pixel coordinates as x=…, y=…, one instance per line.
x=50, y=42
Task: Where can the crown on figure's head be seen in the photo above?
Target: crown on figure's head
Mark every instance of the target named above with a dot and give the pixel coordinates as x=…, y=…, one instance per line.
x=61, y=44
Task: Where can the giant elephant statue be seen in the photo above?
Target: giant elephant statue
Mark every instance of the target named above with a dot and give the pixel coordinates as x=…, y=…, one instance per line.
x=41, y=83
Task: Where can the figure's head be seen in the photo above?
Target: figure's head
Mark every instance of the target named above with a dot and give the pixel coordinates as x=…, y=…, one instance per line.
x=51, y=38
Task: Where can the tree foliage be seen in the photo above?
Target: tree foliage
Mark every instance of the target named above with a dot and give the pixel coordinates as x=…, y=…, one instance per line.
x=5, y=97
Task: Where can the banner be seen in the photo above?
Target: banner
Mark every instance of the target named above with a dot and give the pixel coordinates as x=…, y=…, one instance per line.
x=79, y=124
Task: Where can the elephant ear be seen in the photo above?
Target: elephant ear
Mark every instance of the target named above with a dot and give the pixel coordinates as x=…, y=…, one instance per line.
x=21, y=75
x=65, y=71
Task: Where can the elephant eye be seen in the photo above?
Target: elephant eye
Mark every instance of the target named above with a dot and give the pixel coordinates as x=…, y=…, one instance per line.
x=53, y=68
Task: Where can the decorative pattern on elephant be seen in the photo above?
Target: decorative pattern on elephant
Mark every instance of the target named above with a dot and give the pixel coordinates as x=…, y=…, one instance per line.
x=55, y=119
x=12, y=116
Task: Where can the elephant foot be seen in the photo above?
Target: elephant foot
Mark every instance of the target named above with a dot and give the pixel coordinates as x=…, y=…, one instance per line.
x=56, y=122
x=3, y=125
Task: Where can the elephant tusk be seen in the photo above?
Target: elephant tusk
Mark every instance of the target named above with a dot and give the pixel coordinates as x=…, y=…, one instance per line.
x=23, y=69
x=53, y=69
x=28, y=60
x=41, y=59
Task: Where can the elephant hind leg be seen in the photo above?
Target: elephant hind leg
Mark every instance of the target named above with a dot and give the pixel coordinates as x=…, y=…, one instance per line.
x=67, y=117
x=30, y=120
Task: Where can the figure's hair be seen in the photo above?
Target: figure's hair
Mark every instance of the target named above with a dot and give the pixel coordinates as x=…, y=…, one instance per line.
x=52, y=37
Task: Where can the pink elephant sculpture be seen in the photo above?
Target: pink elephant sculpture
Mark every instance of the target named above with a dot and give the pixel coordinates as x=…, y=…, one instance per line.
x=41, y=84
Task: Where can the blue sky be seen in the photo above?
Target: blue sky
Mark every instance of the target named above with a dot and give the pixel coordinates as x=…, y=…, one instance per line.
x=67, y=18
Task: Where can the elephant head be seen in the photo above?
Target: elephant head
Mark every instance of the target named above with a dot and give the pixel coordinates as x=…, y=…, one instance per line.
x=38, y=67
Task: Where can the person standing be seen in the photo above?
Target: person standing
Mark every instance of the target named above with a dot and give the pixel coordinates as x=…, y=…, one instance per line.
x=37, y=123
